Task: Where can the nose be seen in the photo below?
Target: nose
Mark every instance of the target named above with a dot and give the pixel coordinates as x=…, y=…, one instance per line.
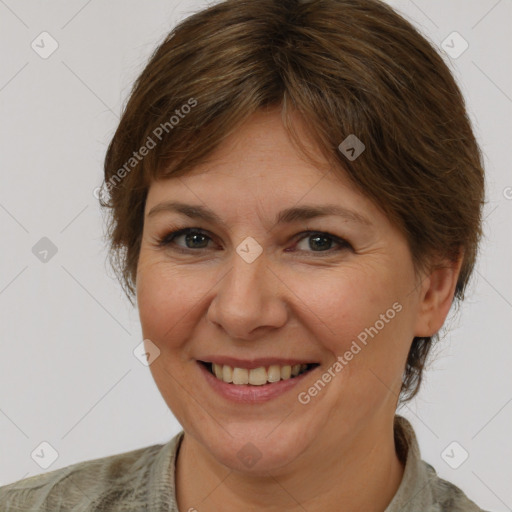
x=249, y=300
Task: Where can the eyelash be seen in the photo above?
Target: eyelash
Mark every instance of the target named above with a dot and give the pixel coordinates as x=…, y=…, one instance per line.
x=168, y=239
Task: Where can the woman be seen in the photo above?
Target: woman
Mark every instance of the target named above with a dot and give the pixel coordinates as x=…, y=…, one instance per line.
x=295, y=194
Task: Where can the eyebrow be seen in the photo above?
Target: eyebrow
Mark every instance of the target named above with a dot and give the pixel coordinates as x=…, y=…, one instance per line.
x=286, y=216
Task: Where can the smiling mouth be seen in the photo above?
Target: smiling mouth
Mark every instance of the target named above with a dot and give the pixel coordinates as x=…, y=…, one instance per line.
x=257, y=376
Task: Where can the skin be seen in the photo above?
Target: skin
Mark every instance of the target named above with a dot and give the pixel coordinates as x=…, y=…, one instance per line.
x=294, y=300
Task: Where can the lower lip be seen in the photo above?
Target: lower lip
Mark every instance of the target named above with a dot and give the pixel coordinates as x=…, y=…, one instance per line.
x=245, y=393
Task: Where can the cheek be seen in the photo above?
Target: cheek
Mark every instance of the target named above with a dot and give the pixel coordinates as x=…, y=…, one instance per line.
x=167, y=297
x=168, y=300
x=361, y=315
x=361, y=321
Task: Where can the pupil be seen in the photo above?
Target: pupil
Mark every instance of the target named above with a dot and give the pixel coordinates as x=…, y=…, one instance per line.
x=194, y=237
x=314, y=239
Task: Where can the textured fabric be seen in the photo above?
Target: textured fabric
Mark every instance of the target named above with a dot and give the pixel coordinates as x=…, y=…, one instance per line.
x=143, y=480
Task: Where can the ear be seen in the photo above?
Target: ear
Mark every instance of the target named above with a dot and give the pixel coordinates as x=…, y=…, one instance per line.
x=436, y=297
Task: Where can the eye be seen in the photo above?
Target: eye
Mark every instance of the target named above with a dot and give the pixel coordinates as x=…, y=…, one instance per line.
x=193, y=238
x=197, y=239
x=318, y=241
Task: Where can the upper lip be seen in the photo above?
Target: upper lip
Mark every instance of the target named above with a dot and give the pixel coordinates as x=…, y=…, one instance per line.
x=259, y=362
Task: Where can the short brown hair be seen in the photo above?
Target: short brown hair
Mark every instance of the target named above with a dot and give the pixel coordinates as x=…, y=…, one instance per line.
x=345, y=67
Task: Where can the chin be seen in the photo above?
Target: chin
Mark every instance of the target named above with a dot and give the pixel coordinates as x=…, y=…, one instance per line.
x=257, y=450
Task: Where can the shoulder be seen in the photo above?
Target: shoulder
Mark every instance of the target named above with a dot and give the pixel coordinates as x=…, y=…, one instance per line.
x=447, y=496
x=421, y=487
x=82, y=484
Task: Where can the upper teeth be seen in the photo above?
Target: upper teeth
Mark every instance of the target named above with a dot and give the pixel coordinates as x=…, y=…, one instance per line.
x=256, y=376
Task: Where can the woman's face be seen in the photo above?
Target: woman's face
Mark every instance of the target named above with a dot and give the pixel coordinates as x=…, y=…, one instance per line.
x=255, y=291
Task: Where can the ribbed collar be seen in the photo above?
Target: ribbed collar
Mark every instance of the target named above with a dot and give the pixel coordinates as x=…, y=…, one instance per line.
x=415, y=490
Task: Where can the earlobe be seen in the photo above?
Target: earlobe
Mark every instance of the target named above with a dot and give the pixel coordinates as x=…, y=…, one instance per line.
x=436, y=297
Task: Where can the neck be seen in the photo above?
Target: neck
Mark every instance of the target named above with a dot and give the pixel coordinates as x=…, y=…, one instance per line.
x=363, y=475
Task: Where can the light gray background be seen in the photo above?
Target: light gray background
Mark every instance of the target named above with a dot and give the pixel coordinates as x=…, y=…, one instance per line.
x=68, y=374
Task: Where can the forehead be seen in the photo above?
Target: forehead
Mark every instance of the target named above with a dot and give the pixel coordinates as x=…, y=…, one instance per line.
x=258, y=178
x=259, y=160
